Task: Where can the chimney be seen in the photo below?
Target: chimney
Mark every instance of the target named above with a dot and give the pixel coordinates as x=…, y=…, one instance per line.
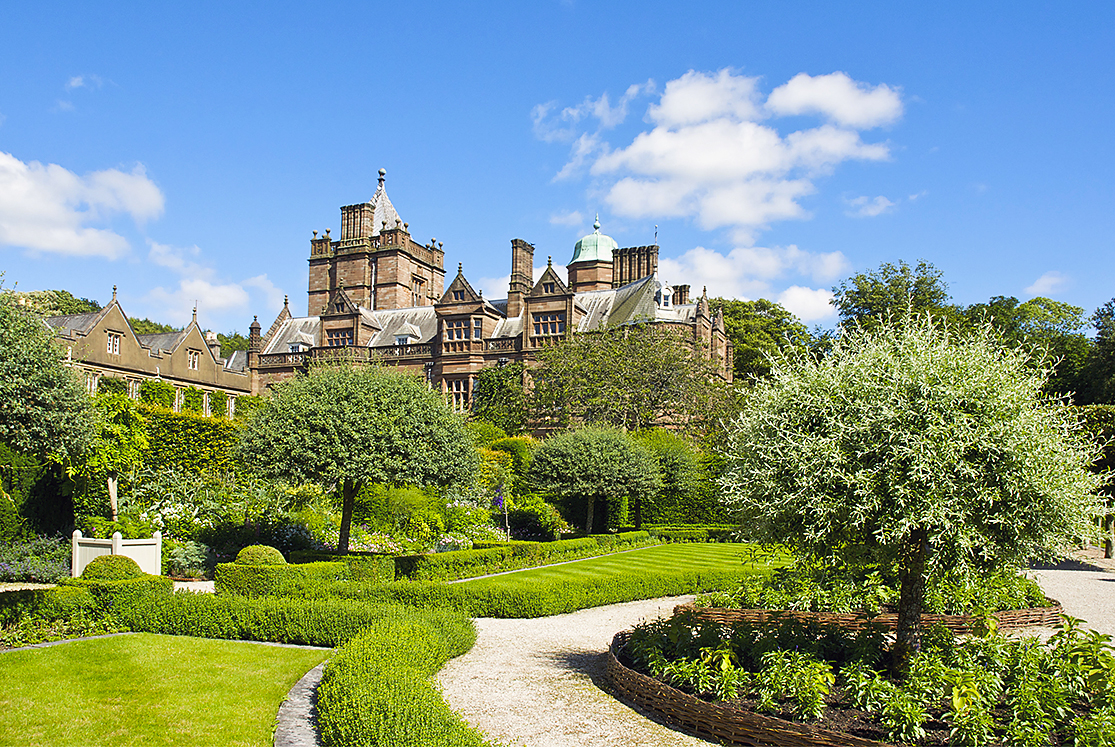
x=681, y=295
x=522, y=276
x=213, y=343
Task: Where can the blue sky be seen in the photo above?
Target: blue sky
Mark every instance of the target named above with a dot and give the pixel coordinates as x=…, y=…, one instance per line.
x=186, y=152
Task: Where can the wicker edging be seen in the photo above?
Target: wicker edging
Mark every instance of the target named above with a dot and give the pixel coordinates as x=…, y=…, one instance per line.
x=1008, y=619
x=712, y=721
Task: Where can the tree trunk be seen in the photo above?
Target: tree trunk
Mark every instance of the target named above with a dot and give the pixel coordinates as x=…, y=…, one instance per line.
x=112, y=502
x=911, y=597
x=349, y=488
x=591, y=501
x=1108, y=540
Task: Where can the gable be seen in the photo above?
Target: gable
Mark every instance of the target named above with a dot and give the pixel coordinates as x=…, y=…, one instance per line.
x=549, y=284
x=459, y=291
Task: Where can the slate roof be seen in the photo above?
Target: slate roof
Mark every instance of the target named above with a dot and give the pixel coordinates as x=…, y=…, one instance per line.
x=382, y=209
x=71, y=324
x=238, y=361
x=295, y=329
x=395, y=322
x=166, y=342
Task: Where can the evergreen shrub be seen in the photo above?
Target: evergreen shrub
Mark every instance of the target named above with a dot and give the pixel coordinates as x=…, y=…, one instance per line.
x=260, y=555
x=189, y=442
x=157, y=393
x=112, y=385
x=301, y=580
x=111, y=568
x=376, y=568
x=193, y=400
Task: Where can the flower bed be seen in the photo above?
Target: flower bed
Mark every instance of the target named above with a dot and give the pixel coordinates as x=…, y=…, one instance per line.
x=1048, y=616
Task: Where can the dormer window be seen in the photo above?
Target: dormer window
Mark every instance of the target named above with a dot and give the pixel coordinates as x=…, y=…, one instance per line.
x=458, y=295
x=114, y=343
x=339, y=307
x=548, y=288
x=193, y=359
x=403, y=339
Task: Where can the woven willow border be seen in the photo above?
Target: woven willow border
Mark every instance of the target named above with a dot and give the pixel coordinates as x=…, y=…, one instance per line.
x=715, y=722
x=1008, y=619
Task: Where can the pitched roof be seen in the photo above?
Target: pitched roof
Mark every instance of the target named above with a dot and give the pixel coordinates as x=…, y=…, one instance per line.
x=166, y=341
x=70, y=324
x=382, y=209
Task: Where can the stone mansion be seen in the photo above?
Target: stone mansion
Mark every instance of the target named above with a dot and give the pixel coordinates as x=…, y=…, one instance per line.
x=374, y=292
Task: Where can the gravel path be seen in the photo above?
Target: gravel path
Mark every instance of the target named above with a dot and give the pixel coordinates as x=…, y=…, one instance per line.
x=535, y=682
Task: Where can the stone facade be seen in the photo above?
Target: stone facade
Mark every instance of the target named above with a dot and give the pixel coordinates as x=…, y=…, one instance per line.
x=377, y=293
x=102, y=343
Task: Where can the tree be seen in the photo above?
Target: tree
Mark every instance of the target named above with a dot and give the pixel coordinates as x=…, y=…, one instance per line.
x=231, y=343
x=56, y=303
x=891, y=292
x=688, y=494
x=629, y=377
x=500, y=397
x=919, y=449
x=345, y=426
x=1099, y=368
x=44, y=410
x=759, y=329
x=595, y=465
x=148, y=327
x=118, y=443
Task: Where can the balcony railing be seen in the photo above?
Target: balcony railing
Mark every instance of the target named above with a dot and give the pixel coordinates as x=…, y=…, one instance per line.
x=283, y=360
x=417, y=350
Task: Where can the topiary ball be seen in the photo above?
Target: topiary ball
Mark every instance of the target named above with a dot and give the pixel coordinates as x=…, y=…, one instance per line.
x=260, y=555
x=111, y=568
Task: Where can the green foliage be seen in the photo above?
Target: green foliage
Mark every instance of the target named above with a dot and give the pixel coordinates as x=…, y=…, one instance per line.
x=921, y=451
x=148, y=327
x=44, y=410
x=260, y=555
x=193, y=400
x=484, y=433
x=231, y=343
x=56, y=303
x=500, y=398
x=688, y=494
x=891, y=294
x=759, y=330
x=37, y=558
x=533, y=519
x=372, y=568
x=190, y=443
x=259, y=580
x=348, y=426
x=630, y=377
x=521, y=449
x=120, y=437
x=111, y=568
x=246, y=404
x=157, y=393
x=592, y=466
x=112, y=385
x=218, y=404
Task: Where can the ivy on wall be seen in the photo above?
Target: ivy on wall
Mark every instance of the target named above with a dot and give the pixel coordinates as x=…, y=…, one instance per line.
x=157, y=393
x=193, y=400
x=112, y=385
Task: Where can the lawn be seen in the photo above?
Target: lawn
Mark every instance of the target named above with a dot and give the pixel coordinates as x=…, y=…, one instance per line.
x=679, y=557
x=147, y=690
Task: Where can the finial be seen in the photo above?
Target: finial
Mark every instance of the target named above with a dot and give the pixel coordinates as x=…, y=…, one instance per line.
x=440, y=245
x=481, y=294
x=383, y=223
x=460, y=268
x=255, y=317
x=549, y=261
x=656, y=234
x=114, y=293
x=704, y=290
x=286, y=301
x=315, y=233
x=195, y=312
x=596, y=224
x=382, y=175
x=327, y=233
x=406, y=226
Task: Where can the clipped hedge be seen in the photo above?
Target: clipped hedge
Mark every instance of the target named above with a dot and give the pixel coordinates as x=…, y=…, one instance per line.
x=113, y=594
x=711, y=533
x=376, y=689
x=302, y=580
x=377, y=568
x=189, y=442
x=496, y=557
x=508, y=597
x=259, y=555
x=111, y=568
x=57, y=603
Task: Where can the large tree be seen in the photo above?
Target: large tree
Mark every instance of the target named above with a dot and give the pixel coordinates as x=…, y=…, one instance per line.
x=922, y=450
x=628, y=377
x=500, y=397
x=44, y=409
x=1099, y=369
x=893, y=292
x=758, y=330
x=349, y=425
x=595, y=467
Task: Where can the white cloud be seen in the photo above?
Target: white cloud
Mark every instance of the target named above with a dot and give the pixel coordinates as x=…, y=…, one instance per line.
x=84, y=81
x=748, y=272
x=551, y=125
x=1048, y=284
x=572, y=218
x=808, y=304
x=868, y=207
x=63, y=106
x=700, y=97
x=836, y=96
x=176, y=258
x=713, y=155
x=48, y=208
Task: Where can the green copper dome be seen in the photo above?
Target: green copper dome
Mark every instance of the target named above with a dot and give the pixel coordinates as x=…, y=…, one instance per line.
x=595, y=246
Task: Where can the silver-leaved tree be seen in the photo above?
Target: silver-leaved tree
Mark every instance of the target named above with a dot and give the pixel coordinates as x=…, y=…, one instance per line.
x=916, y=449
x=348, y=425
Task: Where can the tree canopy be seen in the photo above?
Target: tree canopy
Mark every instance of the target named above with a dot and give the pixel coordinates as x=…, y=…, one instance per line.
x=758, y=330
x=628, y=377
x=892, y=292
x=44, y=409
x=921, y=449
x=594, y=465
x=500, y=397
x=349, y=425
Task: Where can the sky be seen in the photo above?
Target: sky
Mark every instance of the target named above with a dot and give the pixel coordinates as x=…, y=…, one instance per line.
x=186, y=152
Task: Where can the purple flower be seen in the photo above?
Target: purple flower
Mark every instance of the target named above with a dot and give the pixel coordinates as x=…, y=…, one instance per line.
x=498, y=500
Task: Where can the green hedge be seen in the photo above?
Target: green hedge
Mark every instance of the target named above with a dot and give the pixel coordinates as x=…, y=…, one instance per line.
x=710, y=533
x=157, y=393
x=376, y=568
x=114, y=594
x=58, y=603
x=376, y=689
x=507, y=597
x=193, y=400
x=496, y=557
x=112, y=385
x=303, y=580
x=189, y=442
x=218, y=404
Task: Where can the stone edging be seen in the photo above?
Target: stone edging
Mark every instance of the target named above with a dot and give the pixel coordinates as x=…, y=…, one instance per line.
x=296, y=722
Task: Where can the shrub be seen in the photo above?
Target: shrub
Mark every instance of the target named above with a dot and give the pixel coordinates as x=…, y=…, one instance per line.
x=484, y=433
x=112, y=385
x=536, y=521
x=260, y=555
x=364, y=567
x=303, y=580
x=41, y=559
x=218, y=404
x=157, y=393
x=193, y=400
x=111, y=568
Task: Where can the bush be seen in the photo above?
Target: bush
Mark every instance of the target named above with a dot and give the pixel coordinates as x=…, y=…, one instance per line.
x=116, y=594
x=189, y=442
x=536, y=521
x=218, y=404
x=111, y=568
x=193, y=400
x=365, y=567
x=303, y=580
x=112, y=385
x=260, y=555
x=157, y=393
